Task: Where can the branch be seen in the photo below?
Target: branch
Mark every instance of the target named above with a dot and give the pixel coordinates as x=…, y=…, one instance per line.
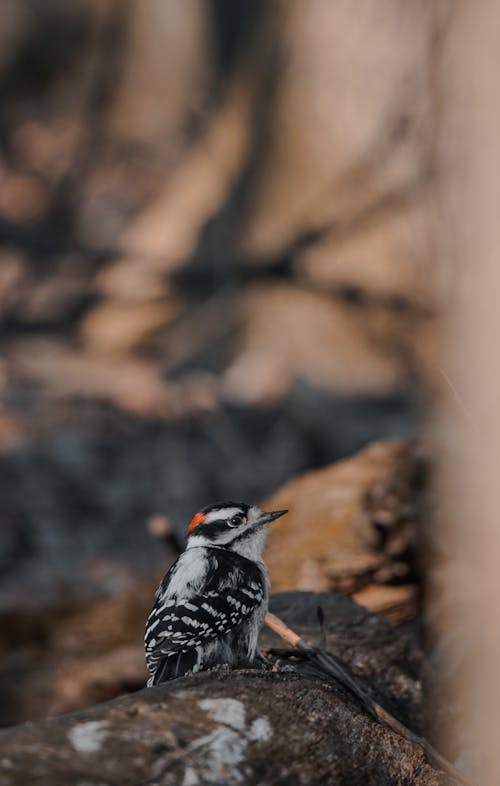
x=328, y=664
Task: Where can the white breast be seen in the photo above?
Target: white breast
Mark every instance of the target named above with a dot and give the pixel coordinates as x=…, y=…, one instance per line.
x=253, y=546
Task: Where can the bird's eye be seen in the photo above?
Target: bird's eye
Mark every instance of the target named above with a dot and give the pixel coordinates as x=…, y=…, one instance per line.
x=235, y=521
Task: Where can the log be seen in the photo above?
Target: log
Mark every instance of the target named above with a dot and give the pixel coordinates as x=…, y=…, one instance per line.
x=254, y=726
x=353, y=527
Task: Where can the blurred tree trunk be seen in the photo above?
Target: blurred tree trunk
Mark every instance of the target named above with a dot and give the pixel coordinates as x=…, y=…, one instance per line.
x=468, y=586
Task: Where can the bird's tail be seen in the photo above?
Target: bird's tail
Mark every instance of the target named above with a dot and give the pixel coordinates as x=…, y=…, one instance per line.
x=176, y=664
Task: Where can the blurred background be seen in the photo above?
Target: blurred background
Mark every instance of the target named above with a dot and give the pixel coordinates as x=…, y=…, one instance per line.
x=218, y=269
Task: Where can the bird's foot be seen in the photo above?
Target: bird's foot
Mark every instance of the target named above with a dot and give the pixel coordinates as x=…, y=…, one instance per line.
x=262, y=659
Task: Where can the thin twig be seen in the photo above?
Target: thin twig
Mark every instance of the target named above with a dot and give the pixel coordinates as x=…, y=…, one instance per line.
x=330, y=665
x=458, y=398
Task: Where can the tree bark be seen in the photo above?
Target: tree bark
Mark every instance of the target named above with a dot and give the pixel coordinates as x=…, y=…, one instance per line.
x=274, y=726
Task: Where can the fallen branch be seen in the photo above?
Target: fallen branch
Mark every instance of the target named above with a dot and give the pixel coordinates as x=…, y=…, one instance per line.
x=328, y=664
x=244, y=725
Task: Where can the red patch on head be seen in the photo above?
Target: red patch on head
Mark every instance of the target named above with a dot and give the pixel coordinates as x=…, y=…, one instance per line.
x=198, y=519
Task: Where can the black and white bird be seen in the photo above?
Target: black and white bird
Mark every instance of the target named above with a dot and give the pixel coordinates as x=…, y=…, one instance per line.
x=212, y=602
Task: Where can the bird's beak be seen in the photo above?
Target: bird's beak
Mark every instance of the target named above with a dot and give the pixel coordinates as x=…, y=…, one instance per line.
x=266, y=518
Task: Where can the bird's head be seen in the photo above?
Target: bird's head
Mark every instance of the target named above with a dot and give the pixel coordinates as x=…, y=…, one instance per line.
x=232, y=525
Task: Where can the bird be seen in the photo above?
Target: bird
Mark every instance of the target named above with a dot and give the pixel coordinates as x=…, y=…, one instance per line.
x=211, y=603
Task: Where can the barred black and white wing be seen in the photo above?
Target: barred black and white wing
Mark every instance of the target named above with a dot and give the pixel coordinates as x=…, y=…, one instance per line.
x=198, y=604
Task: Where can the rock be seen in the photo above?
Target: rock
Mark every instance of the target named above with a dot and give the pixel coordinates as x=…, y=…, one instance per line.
x=352, y=527
x=397, y=238
x=248, y=726
x=290, y=332
x=118, y=325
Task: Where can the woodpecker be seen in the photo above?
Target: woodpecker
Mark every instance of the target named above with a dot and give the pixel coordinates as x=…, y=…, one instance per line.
x=211, y=604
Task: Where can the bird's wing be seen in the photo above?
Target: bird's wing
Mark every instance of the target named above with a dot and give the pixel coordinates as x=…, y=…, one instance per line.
x=180, y=624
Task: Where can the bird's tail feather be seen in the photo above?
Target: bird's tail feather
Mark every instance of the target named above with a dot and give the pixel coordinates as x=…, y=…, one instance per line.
x=177, y=664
